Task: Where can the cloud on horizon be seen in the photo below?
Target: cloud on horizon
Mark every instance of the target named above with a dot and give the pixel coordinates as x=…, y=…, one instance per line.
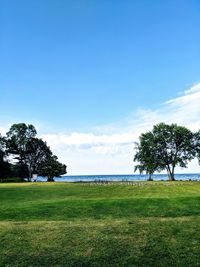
x=100, y=153
x=109, y=149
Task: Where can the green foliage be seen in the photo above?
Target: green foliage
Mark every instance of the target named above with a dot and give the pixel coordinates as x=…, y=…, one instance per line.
x=145, y=155
x=38, y=154
x=18, y=143
x=5, y=170
x=20, y=170
x=166, y=147
x=18, y=139
x=32, y=154
x=51, y=168
x=197, y=145
x=4, y=165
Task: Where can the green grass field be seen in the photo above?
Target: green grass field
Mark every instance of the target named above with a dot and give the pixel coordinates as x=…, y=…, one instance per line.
x=65, y=224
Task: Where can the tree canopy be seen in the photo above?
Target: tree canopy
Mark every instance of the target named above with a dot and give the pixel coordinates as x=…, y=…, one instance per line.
x=165, y=147
x=52, y=168
x=145, y=155
x=30, y=154
x=37, y=154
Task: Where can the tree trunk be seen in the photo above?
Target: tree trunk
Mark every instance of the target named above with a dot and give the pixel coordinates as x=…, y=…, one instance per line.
x=168, y=173
x=171, y=173
x=50, y=179
x=150, y=178
x=29, y=174
x=171, y=178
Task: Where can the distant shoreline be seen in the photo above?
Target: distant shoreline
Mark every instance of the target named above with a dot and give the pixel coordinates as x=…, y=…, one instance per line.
x=122, y=178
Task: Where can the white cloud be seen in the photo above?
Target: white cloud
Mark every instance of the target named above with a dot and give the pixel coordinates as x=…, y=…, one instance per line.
x=92, y=153
x=186, y=109
x=109, y=149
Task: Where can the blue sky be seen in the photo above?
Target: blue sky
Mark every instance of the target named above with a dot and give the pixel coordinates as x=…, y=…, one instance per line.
x=93, y=66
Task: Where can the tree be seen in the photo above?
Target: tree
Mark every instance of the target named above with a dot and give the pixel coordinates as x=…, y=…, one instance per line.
x=5, y=170
x=169, y=146
x=18, y=142
x=145, y=155
x=175, y=146
x=52, y=168
x=37, y=154
x=32, y=154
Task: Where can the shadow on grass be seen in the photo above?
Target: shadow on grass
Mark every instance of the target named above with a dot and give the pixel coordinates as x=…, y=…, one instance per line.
x=102, y=209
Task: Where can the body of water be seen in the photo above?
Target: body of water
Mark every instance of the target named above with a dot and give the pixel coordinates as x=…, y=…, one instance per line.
x=134, y=177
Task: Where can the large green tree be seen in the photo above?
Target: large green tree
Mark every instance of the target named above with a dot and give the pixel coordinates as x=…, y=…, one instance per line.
x=32, y=153
x=169, y=146
x=175, y=146
x=18, y=142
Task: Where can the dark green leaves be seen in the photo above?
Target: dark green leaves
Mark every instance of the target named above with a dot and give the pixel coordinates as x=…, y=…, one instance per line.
x=165, y=147
x=32, y=153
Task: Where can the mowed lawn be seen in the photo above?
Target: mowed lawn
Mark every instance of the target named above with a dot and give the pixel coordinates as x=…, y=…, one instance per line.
x=120, y=224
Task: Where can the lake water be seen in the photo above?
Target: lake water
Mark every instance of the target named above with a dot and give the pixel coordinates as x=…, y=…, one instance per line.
x=91, y=178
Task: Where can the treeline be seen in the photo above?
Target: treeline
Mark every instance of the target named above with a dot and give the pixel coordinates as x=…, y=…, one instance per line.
x=22, y=154
x=166, y=147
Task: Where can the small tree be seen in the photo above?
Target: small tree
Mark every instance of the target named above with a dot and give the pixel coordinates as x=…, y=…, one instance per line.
x=145, y=155
x=52, y=168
